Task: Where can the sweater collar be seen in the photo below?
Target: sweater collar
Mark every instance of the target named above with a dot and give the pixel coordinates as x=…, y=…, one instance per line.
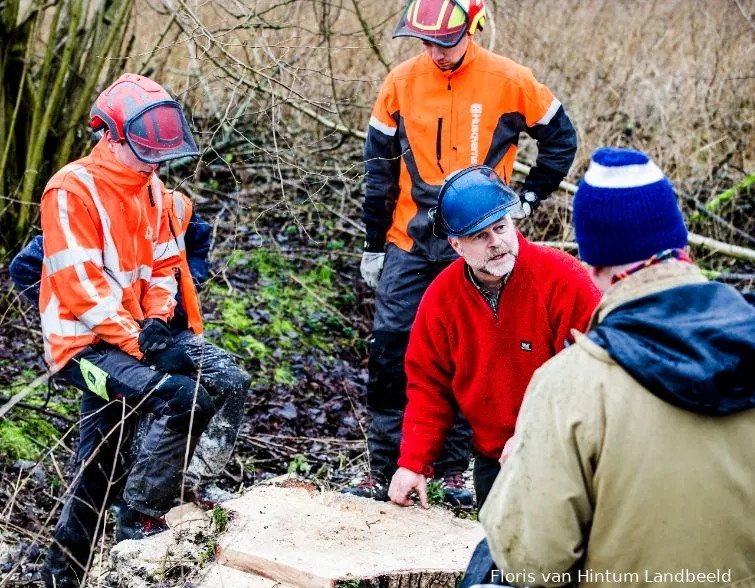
x=116, y=173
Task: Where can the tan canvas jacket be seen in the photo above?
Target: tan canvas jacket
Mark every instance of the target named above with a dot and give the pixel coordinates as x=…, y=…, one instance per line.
x=616, y=486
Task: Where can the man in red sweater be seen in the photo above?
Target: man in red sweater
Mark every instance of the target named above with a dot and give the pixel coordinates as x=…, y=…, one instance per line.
x=484, y=326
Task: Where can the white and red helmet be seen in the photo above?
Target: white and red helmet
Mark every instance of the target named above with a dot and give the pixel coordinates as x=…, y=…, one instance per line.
x=442, y=22
x=139, y=111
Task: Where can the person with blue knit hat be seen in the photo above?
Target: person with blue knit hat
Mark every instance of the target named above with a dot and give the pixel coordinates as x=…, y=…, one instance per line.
x=632, y=459
x=483, y=327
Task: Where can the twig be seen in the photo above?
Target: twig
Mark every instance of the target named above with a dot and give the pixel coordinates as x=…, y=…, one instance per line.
x=24, y=393
x=735, y=251
x=370, y=38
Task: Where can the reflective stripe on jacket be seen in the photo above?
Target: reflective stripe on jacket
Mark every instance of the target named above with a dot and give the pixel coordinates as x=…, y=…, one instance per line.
x=427, y=123
x=110, y=256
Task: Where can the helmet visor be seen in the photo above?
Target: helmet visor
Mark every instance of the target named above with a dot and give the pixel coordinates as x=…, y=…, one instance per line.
x=160, y=133
x=442, y=22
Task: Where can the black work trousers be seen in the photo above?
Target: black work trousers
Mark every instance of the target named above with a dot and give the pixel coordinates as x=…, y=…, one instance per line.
x=105, y=467
x=484, y=473
x=404, y=279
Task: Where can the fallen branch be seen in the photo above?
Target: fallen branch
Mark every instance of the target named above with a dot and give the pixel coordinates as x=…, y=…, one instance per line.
x=724, y=197
x=23, y=393
x=735, y=251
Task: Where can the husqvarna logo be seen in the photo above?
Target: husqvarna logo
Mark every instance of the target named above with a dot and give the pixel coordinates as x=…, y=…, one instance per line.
x=474, y=135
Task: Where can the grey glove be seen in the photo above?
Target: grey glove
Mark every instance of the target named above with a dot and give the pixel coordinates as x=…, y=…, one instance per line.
x=528, y=203
x=371, y=267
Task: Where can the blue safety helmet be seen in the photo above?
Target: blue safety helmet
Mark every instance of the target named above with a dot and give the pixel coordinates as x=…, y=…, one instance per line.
x=469, y=200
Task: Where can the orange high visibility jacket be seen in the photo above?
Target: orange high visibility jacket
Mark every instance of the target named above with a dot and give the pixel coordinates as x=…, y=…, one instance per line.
x=428, y=123
x=112, y=254
x=180, y=209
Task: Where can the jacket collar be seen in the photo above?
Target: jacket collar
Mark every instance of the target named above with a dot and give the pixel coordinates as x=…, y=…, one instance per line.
x=473, y=50
x=114, y=172
x=645, y=282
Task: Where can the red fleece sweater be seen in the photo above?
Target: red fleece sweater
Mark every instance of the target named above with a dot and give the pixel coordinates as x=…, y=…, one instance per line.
x=459, y=354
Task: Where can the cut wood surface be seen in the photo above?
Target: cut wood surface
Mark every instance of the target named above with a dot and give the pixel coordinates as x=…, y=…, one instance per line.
x=298, y=537
x=305, y=538
x=217, y=576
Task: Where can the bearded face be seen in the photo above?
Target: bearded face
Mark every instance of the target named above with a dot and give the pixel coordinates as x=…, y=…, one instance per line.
x=492, y=251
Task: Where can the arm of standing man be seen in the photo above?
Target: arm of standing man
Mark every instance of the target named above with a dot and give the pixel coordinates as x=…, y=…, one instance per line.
x=556, y=146
x=545, y=121
x=431, y=408
x=382, y=157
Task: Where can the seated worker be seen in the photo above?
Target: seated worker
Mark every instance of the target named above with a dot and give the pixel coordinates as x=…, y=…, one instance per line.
x=216, y=444
x=632, y=461
x=114, y=259
x=483, y=327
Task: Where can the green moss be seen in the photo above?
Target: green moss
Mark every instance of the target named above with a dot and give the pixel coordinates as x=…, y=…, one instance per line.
x=256, y=347
x=235, y=315
x=237, y=259
x=219, y=519
x=435, y=492
x=298, y=311
x=26, y=436
x=283, y=375
x=299, y=465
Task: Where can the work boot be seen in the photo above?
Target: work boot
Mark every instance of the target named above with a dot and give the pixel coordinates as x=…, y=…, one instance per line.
x=132, y=524
x=372, y=485
x=57, y=572
x=456, y=493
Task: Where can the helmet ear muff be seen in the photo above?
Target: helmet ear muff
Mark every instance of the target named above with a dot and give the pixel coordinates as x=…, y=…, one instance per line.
x=478, y=23
x=435, y=214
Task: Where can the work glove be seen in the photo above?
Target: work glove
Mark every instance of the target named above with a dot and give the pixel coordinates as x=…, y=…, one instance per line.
x=528, y=203
x=155, y=336
x=174, y=360
x=371, y=267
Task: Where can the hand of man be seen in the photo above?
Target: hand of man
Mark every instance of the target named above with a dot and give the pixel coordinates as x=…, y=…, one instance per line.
x=371, y=267
x=528, y=203
x=402, y=484
x=507, y=449
x=173, y=360
x=155, y=336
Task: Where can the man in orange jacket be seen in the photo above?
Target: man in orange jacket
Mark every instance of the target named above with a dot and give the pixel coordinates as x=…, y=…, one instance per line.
x=455, y=105
x=114, y=259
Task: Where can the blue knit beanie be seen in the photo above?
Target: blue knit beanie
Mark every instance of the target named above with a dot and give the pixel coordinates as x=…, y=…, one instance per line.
x=625, y=209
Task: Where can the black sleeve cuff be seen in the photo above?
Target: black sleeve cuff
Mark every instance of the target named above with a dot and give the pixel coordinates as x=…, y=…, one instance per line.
x=374, y=243
x=542, y=181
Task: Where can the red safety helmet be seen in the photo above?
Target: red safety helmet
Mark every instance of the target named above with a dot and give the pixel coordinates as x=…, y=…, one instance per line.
x=442, y=22
x=139, y=111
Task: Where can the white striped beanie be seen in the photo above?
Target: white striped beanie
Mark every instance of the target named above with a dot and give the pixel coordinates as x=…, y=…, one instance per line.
x=625, y=209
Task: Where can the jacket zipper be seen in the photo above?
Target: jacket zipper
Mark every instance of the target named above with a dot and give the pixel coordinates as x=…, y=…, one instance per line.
x=438, y=140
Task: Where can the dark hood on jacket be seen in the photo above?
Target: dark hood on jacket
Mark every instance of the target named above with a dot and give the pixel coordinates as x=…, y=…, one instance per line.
x=692, y=346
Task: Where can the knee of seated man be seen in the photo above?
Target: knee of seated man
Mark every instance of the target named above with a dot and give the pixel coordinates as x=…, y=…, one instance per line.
x=234, y=383
x=186, y=397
